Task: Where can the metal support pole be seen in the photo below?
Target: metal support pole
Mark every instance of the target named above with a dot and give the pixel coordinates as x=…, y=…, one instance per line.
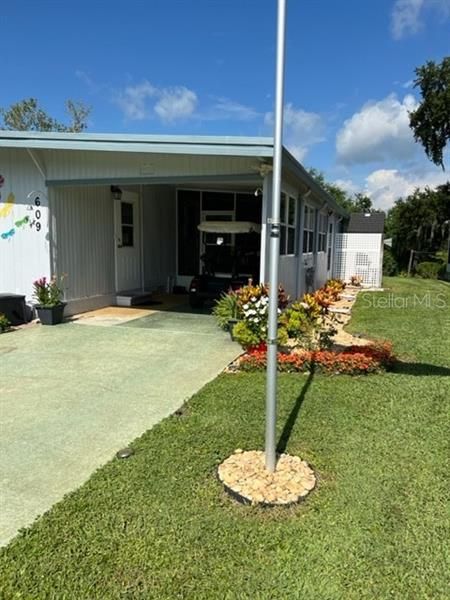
x=274, y=248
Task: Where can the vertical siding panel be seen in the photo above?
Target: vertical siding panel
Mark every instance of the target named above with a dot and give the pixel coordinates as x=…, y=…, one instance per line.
x=84, y=229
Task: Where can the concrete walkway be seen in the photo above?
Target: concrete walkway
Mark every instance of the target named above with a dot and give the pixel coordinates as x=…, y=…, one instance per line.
x=72, y=395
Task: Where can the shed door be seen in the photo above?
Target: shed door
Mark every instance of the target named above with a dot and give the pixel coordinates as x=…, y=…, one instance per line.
x=127, y=242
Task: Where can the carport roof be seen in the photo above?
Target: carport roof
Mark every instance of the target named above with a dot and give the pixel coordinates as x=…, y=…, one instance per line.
x=165, y=144
x=258, y=147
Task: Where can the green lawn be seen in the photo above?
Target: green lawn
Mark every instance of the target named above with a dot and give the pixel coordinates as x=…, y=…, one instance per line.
x=158, y=525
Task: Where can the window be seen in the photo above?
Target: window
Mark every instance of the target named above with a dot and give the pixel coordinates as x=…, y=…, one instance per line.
x=308, y=230
x=288, y=222
x=322, y=229
x=127, y=224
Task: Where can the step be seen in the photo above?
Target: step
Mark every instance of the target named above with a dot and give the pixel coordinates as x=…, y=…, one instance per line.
x=133, y=298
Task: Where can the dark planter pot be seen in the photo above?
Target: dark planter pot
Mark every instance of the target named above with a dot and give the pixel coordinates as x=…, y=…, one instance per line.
x=52, y=315
x=231, y=324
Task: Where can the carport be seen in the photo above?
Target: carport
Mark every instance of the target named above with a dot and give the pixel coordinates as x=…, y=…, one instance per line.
x=120, y=213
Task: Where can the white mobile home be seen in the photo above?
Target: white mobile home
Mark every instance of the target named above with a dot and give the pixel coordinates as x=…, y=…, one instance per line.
x=121, y=212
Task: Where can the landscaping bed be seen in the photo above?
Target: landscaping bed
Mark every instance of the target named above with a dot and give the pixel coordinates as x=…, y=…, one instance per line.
x=311, y=332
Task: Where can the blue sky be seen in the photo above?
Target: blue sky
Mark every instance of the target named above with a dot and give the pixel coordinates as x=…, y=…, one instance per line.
x=207, y=67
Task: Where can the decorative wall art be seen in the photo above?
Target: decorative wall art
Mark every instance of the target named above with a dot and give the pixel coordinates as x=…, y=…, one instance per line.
x=6, y=210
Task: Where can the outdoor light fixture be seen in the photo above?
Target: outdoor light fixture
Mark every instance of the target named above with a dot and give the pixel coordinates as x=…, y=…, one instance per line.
x=125, y=453
x=219, y=241
x=258, y=192
x=116, y=192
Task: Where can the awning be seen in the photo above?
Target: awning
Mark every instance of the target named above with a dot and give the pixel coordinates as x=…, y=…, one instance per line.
x=229, y=227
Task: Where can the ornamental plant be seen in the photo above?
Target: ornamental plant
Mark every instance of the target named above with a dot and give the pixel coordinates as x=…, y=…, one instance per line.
x=252, y=311
x=355, y=360
x=308, y=322
x=356, y=280
x=335, y=287
x=4, y=323
x=48, y=293
x=226, y=309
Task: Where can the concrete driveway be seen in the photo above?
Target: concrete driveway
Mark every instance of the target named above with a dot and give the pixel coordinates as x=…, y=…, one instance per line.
x=72, y=395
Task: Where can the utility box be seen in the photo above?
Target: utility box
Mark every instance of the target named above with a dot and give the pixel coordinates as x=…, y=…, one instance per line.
x=14, y=308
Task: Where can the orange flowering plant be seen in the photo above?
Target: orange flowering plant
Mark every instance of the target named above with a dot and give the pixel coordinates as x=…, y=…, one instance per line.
x=355, y=360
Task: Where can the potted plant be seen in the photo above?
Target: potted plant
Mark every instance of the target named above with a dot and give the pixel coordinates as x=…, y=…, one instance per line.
x=49, y=304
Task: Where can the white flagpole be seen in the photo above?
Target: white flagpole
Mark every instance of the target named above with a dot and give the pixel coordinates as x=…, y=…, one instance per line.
x=274, y=248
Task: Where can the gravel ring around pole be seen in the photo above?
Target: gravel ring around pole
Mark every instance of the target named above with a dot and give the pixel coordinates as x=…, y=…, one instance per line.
x=246, y=479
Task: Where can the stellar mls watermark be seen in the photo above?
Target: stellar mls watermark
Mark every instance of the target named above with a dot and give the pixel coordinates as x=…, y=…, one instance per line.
x=392, y=300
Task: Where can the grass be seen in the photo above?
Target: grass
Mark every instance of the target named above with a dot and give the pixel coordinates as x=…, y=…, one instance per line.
x=158, y=525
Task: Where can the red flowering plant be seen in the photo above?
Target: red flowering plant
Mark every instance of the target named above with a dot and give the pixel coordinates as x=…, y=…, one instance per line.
x=355, y=360
x=48, y=293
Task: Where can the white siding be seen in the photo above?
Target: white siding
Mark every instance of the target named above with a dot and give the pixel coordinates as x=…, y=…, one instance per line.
x=289, y=266
x=24, y=249
x=321, y=273
x=75, y=164
x=159, y=235
x=83, y=234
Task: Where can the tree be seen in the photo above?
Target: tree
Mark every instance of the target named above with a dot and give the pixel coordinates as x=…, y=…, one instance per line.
x=419, y=222
x=430, y=122
x=362, y=203
x=358, y=203
x=27, y=115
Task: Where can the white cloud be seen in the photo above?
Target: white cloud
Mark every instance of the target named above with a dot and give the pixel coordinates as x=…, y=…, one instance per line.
x=224, y=108
x=405, y=18
x=302, y=129
x=348, y=185
x=175, y=103
x=379, y=131
x=407, y=15
x=385, y=186
x=134, y=100
x=144, y=100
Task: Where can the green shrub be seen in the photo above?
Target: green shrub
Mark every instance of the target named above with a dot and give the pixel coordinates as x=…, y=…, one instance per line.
x=226, y=309
x=249, y=338
x=390, y=266
x=4, y=323
x=429, y=270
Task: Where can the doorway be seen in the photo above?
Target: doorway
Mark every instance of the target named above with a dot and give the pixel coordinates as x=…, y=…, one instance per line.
x=127, y=242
